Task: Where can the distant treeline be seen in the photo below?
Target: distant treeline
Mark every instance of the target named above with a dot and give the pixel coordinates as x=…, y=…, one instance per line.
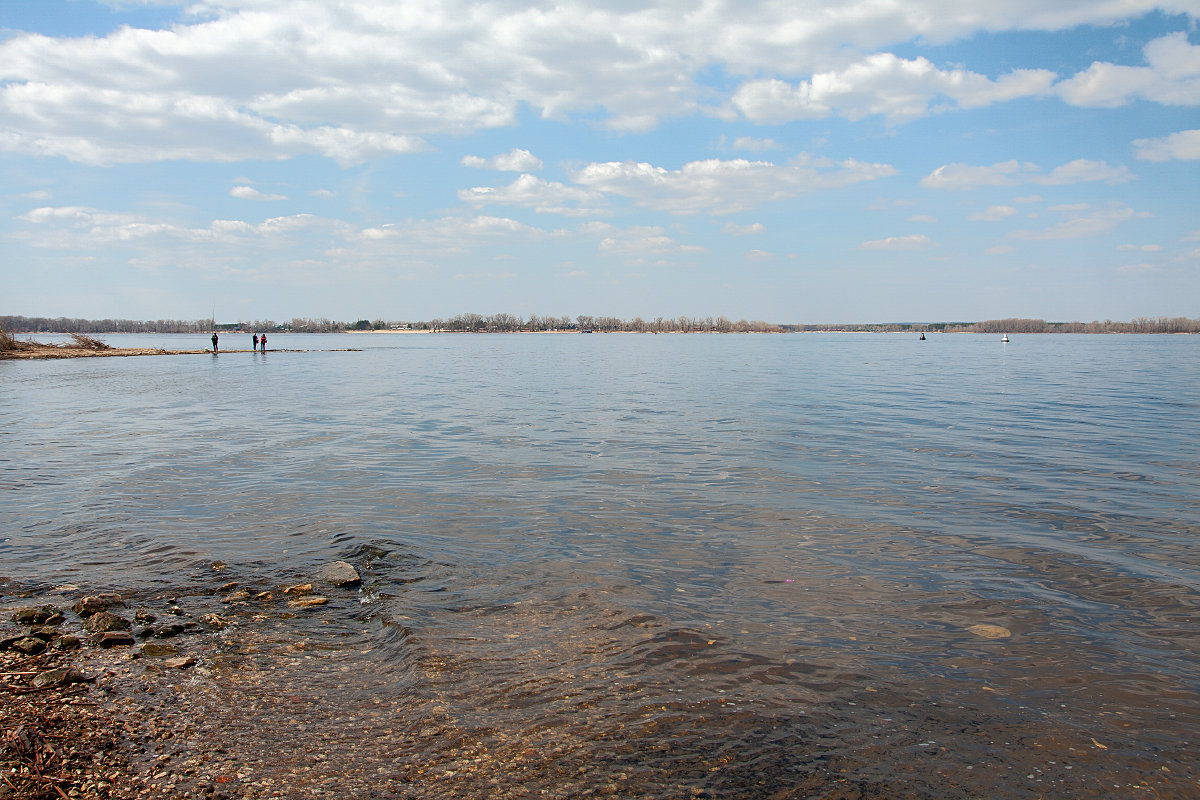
x=473, y=323
x=509, y=323
x=1021, y=325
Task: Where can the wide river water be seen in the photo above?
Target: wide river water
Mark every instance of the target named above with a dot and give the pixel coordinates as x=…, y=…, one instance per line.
x=652, y=566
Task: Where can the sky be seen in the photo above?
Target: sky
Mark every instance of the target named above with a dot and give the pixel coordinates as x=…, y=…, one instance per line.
x=812, y=161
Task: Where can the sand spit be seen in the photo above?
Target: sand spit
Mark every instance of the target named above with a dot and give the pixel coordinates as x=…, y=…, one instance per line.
x=46, y=351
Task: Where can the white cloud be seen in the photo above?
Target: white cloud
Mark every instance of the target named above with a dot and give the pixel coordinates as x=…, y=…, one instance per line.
x=759, y=255
x=999, y=250
x=1135, y=269
x=1013, y=173
x=1172, y=78
x=1030, y=198
x=358, y=79
x=514, y=160
x=922, y=218
x=743, y=230
x=916, y=241
x=723, y=187
x=545, y=197
x=993, y=214
x=1144, y=248
x=1080, y=225
x=484, y=276
x=896, y=88
x=250, y=193
x=324, y=193
x=1184, y=146
x=643, y=241
x=752, y=145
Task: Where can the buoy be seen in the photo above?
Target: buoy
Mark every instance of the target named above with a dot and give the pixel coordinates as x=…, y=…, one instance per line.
x=1005, y=339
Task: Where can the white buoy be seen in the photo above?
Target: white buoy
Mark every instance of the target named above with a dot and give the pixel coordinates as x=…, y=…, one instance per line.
x=1005, y=339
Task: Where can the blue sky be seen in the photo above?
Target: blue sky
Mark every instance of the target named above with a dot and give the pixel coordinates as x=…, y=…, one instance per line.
x=812, y=161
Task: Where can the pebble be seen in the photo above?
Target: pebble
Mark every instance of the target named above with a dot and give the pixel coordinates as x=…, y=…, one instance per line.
x=183, y=662
x=299, y=588
x=236, y=597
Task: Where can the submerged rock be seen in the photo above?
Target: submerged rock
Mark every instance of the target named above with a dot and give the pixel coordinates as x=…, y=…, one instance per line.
x=94, y=604
x=168, y=631
x=103, y=621
x=990, y=631
x=159, y=650
x=236, y=597
x=299, y=588
x=183, y=662
x=142, y=615
x=308, y=601
x=339, y=573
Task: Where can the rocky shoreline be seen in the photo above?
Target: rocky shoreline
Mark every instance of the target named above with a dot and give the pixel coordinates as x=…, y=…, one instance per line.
x=90, y=703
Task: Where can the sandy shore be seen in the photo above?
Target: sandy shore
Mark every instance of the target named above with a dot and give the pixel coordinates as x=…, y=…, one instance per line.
x=42, y=351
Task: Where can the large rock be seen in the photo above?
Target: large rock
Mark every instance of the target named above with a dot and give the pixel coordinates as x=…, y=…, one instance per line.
x=339, y=573
x=94, y=604
x=103, y=621
x=28, y=645
x=42, y=615
x=112, y=639
x=59, y=677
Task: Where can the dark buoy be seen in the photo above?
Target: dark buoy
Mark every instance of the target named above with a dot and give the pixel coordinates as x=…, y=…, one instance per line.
x=922, y=337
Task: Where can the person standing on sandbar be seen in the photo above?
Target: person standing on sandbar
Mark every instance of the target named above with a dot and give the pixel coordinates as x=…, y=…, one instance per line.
x=263, y=341
x=256, y=341
x=214, y=341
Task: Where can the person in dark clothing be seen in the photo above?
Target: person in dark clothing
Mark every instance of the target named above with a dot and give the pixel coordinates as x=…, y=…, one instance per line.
x=214, y=341
x=263, y=341
x=256, y=341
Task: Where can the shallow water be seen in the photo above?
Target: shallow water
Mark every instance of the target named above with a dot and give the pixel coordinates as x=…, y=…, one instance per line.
x=655, y=565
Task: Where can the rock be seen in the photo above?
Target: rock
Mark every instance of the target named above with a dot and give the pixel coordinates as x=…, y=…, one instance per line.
x=144, y=632
x=176, y=610
x=339, y=573
x=308, y=601
x=112, y=639
x=168, y=631
x=45, y=634
x=183, y=662
x=236, y=597
x=61, y=676
x=94, y=604
x=217, y=566
x=990, y=631
x=67, y=642
x=227, y=587
x=213, y=621
x=299, y=588
x=42, y=615
x=264, y=596
x=103, y=621
x=159, y=650
x=142, y=615
x=29, y=645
